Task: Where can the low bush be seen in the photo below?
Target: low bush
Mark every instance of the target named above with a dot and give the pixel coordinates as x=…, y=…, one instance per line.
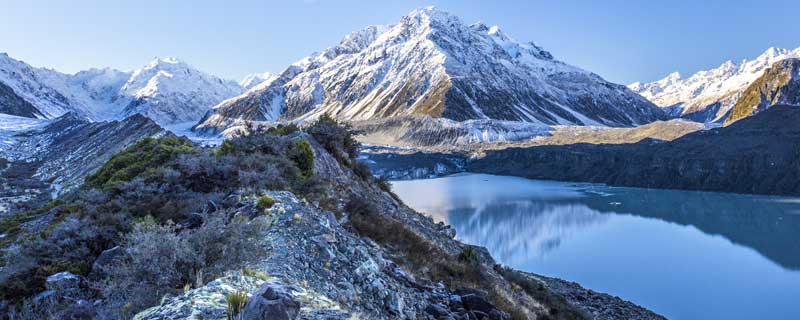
x=236, y=302
x=265, y=202
x=468, y=255
x=255, y=274
x=158, y=260
x=303, y=157
x=283, y=130
x=145, y=155
x=335, y=137
x=557, y=306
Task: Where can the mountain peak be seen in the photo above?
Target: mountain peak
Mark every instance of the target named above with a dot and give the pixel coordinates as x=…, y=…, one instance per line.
x=428, y=16
x=254, y=79
x=164, y=63
x=774, y=52
x=431, y=63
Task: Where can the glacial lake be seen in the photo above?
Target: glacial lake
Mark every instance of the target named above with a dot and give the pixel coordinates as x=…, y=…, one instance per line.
x=682, y=254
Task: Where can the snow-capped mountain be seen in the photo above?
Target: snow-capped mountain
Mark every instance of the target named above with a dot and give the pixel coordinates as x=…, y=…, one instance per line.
x=170, y=91
x=254, y=79
x=430, y=63
x=708, y=96
x=166, y=90
x=780, y=84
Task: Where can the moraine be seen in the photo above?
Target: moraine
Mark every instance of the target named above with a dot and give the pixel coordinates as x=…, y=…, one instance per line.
x=683, y=254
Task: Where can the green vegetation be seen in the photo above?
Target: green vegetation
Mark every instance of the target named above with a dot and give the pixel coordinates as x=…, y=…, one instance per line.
x=11, y=225
x=283, y=130
x=304, y=157
x=177, y=204
x=225, y=148
x=468, y=255
x=265, y=202
x=146, y=154
x=336, y=138
x=236, y=302
x=255, y=274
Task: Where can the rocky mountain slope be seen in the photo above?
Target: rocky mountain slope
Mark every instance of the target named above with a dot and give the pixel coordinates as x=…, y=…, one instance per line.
x=170, y=230
x=780, y=84
x=52, y=157
x=431, y=63
x=12, y=104
x=709, y=96
x=165, y=90
x=757, y=154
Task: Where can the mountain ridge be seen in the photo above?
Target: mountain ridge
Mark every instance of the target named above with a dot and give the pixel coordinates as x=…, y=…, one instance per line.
x=167, y=90
x=431, y=63
x=709, y=95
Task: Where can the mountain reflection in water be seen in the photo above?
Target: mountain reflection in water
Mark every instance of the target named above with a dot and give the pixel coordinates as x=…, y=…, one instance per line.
x=684, y=254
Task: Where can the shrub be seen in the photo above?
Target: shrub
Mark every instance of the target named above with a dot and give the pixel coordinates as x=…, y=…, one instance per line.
x=236, y=302
x=265, y=202
x=225, y=148
x=335, y=137
x=556, y=305
x=384, y=184
x=255, y=274
x=147, y=271
x=362, y=171
x=144, y=155
x=157, y=260
x=303, y=157
x=283, y=130
x=468, y=255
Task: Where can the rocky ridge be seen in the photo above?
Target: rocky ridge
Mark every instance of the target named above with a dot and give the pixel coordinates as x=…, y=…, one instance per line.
x=328, y=272
x=46, y=161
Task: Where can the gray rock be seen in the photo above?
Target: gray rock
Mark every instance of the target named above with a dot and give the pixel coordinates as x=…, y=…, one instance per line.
x=394, y=303
x=105, y=259
x=272, y=301
x=64, y=284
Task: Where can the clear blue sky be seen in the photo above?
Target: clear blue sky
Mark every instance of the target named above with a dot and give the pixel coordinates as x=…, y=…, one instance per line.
x=622, y=41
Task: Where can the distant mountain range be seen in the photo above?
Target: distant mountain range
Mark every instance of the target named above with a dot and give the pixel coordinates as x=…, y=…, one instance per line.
x=429, y=72
x=431, y=63
x=166, y=90
x=709, y=96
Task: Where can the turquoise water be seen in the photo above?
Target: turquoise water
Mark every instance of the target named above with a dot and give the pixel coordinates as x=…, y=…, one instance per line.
x=682, y=254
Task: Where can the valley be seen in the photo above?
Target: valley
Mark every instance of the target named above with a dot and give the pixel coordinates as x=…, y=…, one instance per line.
x=424, y=169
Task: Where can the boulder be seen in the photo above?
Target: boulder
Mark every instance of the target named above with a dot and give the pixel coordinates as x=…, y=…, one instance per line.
x=104, y=260
x=64, y=284
x=272, y=301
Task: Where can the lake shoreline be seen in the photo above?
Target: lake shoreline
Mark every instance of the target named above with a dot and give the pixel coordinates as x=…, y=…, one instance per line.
x=645, y=245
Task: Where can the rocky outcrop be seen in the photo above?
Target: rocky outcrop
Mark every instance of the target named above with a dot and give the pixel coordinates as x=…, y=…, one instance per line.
x=318, y=269
x=272, y=301
x=11, y=103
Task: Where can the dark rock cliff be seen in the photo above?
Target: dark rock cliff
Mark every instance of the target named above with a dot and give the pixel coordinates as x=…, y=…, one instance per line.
x=759, y=154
